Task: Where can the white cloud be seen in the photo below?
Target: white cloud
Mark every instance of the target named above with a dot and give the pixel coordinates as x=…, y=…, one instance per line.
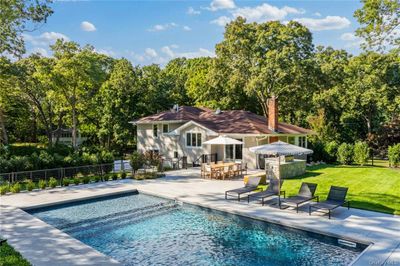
x=150, y=52
x=221, y=21
x=221, y=4
x=348, y=36
x=261, y=13
x=327, y=23
x=40, y=50
x=161, y=27
x=351, y=40
x=44, y=39
x=108, y=52
x=187, y=28
x=169, y=52
x=192, y=11
x=87, y=26
x=292, y=10
x=317, y=14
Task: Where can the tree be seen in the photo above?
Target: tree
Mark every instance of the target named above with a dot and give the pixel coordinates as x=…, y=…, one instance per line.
x=380, y=23
x=267, y=59
x=78, y=74
x=118, y=97
x=33, y=86
x=15, y=15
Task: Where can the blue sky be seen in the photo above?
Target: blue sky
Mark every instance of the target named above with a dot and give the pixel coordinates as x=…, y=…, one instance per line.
x=148, y=32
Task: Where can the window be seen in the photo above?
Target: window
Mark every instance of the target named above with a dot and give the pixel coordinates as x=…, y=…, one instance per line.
x=165, y=128
x=155, y=131
x=229, y=152
x=193, y=139
x=302, y=142
x=238, y=151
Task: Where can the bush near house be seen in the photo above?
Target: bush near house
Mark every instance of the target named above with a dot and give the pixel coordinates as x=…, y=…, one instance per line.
x=394, y=155
x=53, y=182
x=30, y=185
x=345, y=153
x=361, y=152
x=16, y=188
x=42, y=184
x=4, y=189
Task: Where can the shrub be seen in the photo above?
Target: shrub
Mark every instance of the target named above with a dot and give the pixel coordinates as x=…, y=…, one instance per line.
x=345, y=153
x=66, y=182
x=4, y=189
x=97, y=178
x=30, y=185
x=15, y=188
x=361, y=152
x=53, y=182
x=123, y=175
x=76, y=181
x=394, y=155
x=86, y=180
x=151, y=175
x=136, y=161
x=331, y=151
x=42, y=184
x=114, y=176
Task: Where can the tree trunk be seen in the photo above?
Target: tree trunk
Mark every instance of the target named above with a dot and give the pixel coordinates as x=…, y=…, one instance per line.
x=3, y=128
x=34, y=126
x=74, y=122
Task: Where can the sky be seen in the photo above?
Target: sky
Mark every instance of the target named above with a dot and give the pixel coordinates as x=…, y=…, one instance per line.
x=147, y=32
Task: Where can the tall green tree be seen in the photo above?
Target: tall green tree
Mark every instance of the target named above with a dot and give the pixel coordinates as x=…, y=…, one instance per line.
x=267, y=59
x=78, y=74
x=33, y=86
x=118, y=97
x=380, y=23
x=15, y=15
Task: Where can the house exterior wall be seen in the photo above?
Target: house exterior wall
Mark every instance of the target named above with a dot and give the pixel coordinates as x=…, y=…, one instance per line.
x=168, y=144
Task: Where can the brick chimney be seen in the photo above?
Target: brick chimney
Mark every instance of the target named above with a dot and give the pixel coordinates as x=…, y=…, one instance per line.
x=273, y=114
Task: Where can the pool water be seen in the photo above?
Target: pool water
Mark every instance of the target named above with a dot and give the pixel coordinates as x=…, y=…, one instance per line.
x=138, y=229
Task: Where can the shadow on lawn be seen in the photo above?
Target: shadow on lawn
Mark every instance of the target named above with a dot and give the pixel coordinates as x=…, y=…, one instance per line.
x=384, y=198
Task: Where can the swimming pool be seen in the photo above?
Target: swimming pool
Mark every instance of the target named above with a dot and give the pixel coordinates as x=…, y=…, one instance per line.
x=138, y=229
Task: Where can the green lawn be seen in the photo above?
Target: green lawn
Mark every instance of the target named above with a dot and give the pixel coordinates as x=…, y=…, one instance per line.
x=10, y=257
x=374, y=188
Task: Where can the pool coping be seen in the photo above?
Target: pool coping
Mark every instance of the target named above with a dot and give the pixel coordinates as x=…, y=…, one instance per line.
x=238, y=210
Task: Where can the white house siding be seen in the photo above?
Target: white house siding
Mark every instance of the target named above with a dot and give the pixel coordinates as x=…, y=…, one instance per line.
x=168, y=144
x=193, y=153
x=165, y=144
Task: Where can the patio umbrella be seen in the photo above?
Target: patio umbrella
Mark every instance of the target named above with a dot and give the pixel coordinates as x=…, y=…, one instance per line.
x=222, y=140
x=280, y=148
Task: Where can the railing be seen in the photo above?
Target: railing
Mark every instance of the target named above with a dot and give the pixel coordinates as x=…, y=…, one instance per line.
x=66, y=172
x=176, y=162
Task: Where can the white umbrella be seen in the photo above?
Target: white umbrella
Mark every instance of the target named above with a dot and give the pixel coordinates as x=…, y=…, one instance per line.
x=222, y=140
x=280, y=148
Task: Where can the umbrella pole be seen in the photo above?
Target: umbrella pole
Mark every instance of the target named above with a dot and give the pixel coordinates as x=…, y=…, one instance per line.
x=279, y=181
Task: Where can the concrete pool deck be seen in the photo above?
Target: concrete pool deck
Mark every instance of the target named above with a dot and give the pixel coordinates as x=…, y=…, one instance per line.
x=43, y=244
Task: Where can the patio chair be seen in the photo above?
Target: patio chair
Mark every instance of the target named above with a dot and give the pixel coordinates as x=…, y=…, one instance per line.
x=272, y=190
x=250, y=186
x=336, y=198
x=306, y=193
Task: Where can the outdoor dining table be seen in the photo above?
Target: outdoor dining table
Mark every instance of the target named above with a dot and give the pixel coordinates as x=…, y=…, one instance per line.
x=219, y=168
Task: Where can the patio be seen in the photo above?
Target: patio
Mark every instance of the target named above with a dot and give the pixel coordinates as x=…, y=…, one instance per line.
x=32, y=237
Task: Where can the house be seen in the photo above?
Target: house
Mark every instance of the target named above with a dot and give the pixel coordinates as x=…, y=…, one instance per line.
x=182, y=130
x=64, y=136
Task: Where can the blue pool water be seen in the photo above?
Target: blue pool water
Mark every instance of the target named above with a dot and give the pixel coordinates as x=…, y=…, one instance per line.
x=145, y=230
